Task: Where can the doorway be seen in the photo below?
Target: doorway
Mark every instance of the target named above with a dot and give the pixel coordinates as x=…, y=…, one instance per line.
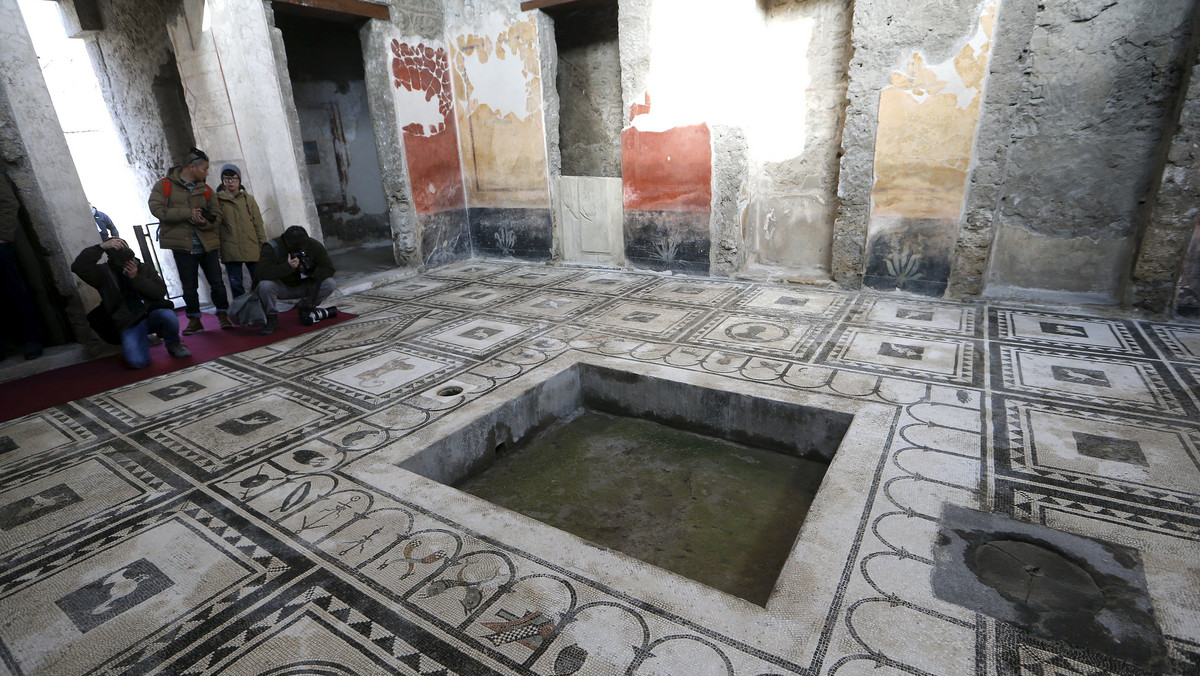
x=589, y=195
x=325, y=66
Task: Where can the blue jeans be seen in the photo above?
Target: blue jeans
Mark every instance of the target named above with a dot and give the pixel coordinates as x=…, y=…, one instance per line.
x=135, y=343
x=237, y=284
x=189, y=266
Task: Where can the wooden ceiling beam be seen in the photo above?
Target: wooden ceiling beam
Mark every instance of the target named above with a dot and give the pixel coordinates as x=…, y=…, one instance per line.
x=367, y=10
x=556, y=4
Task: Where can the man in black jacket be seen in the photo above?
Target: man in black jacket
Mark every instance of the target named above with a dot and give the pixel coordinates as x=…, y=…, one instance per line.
x=294, y=266
x=133, y=297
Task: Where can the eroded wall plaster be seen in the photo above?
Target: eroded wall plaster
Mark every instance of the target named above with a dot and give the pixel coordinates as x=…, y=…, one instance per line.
x=925, y=135
x=498, y=100
x=36, y=158
x=425, y=108
x=792, y=192
x=1097, y=92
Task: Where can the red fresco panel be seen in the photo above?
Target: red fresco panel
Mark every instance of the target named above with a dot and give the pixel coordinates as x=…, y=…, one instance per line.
x=434, y=166
x=669, y=170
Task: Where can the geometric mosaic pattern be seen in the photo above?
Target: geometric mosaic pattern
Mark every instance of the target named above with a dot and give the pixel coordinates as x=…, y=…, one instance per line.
x=249, y=516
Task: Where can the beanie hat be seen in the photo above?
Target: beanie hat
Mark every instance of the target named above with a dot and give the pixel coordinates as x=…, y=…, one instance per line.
x=231, y=169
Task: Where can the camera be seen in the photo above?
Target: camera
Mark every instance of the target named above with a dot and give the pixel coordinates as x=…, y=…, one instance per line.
x=306, y=263
x=208, y=214
x=317, y=314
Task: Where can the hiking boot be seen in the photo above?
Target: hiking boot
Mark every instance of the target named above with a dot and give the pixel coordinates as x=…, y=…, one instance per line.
x=271, y=326
x=153, y=339
x=178, y=350
x=194, y=326
x=223, y=320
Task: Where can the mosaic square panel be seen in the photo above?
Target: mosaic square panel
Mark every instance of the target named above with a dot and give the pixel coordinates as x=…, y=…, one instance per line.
x=469, y=270
x=793, y=301
x=1065, y=331
x=550, y=304
x=341, y=340
x=108, y=602
x=1178, y=343
x=244, y=427
x=382, y=376
x=916, y=315
x=644, y=319
x=409, y=289
x=34, y=436
x=535, y=277
x=175, y=393
x=756, y=334
x=690, y=291
x=1108, y=381
x=480, y=296
x=607, y=283
x=54, y=501
x=475, y=336
x=906, y=354
x=1136, y=457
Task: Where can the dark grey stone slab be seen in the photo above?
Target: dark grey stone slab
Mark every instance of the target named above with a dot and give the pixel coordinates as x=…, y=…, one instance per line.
x=1055, y=584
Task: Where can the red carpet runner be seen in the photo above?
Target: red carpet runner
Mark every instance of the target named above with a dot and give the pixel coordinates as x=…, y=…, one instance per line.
x=34, y=393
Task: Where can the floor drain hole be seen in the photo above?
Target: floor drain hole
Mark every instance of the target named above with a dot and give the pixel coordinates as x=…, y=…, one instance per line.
x=449, y=391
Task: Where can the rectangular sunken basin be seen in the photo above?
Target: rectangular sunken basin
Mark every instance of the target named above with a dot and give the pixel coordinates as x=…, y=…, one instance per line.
x=708, y=484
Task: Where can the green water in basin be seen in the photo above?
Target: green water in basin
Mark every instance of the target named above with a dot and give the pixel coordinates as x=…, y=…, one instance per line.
x=720, y=513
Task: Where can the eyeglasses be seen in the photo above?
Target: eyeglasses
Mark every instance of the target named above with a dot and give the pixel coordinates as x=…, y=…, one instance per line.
x=229, y=178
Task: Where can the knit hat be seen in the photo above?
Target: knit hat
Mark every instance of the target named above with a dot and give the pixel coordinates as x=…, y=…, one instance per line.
x=231, y=168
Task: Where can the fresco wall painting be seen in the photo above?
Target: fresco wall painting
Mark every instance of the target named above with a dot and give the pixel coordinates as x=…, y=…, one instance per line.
x=928, y=116
x=668, y=195
x=425, y=102
x=497, y=87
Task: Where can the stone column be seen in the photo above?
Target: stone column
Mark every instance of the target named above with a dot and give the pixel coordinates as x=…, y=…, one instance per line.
x=38, y=160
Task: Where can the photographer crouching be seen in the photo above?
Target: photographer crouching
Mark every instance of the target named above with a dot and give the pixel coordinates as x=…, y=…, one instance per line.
x=295, y=266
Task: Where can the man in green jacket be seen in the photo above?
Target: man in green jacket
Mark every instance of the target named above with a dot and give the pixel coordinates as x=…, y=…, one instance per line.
x=294, y=266
x=190, y=223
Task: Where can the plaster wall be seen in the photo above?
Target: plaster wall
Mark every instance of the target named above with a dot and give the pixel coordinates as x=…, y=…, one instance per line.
x=377, y=38
x=1167, y=272
x=1095, y=101
x=792, y=200
x=884, y=37
x=494, y=61
x=424, y=100
x=589, y=89
x=37, y=158
x=927, y=119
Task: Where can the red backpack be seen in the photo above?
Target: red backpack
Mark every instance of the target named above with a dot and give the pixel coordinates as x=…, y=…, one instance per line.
x=166, y=183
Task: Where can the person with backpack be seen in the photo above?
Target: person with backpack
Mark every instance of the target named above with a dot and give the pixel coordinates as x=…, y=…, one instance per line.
x=189, y=227
x=242, y=232
x=133, y=302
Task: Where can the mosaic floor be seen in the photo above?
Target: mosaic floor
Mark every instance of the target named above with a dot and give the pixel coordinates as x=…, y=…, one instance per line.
x=247, y=515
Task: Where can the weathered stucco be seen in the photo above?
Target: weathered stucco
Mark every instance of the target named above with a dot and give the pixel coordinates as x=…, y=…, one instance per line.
x=884, y=37
x=1095, y=101
x=589, y=89
x=926, y=131
x=1164, y=259
x=498, y=93
x=792, y=191
x=36, y=157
